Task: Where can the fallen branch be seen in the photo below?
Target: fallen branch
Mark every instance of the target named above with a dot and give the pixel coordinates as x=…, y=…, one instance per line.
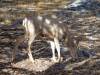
x=72, y=66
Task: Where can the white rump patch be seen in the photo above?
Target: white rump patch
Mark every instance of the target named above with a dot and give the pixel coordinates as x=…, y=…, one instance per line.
x=47, y=21
x=39, y=17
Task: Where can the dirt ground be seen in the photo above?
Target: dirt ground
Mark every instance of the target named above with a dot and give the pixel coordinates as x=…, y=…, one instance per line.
x=43, y=64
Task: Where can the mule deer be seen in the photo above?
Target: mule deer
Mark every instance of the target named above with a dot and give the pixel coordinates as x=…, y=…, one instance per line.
x=53, y=28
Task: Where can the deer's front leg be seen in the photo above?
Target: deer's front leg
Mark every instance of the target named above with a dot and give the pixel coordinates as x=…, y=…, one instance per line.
x=58, y=48
x=52, y=44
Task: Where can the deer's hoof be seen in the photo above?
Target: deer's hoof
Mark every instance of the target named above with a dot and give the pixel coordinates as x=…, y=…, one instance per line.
x=57, y=60
x=32, y=61
x=60, y=59
x=54, y=59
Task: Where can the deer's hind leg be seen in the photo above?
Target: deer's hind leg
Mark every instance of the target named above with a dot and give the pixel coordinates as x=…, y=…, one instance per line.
x=57, y=45
x=31, y=39
x=18, y=41
x=29, y=36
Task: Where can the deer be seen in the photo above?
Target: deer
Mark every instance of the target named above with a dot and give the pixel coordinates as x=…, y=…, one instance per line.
x=54, y=29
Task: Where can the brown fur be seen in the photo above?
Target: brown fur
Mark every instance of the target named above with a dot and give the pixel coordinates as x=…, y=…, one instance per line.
x=53, y=28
